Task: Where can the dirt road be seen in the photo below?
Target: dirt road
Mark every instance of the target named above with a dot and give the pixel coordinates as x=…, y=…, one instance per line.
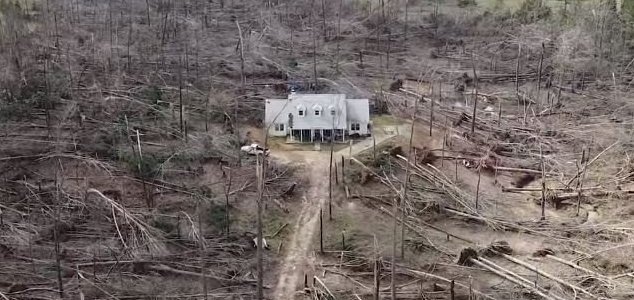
x=299, y=257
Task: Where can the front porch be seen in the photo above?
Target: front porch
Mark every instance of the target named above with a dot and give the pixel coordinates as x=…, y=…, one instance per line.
x=316, y=135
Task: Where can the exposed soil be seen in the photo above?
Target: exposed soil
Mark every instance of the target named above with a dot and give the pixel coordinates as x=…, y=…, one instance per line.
x=299, y=252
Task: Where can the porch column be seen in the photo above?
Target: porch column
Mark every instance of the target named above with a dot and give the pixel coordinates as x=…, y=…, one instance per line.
x=321, y=135
x=301, y=135
x=312, y=135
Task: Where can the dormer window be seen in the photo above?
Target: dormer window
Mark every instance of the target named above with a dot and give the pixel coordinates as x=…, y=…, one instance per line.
x=317, y=108
x=333, y=112
x=301, y=110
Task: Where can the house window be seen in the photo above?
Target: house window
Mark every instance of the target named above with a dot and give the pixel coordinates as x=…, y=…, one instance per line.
x=279, y=127
x=300, y=113
x=317, y=108
x=355, y=127
x=332, y=112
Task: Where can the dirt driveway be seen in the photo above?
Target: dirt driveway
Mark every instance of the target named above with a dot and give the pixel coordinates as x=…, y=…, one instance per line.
x=300, y=257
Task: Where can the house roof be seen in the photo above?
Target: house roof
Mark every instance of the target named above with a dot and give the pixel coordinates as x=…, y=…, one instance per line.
x=277, y=110
x=358, y=110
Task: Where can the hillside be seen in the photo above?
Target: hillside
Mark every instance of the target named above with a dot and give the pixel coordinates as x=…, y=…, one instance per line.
x=500, y=165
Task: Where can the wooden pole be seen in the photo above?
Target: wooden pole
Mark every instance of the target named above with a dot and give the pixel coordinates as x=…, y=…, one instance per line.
x=475, y=99
x=580, y=180
x=406, y=179
x=180, y=94
x=343, y=172
x=394, y=238
x=517, y=69
x=332, y=150
x=343, y=240
x=260, y=236
x=377, y=279
x=539, y=72
x=312, y=33
x=377, y=271
x=442, y=159
x=373, y=147
x=478, y=188
x=58, y=250
x=323, y=19
x=499, y=113
x=431, y=114
x=227, y=190
x=338, y=37
x=541, y=157
x=350, y=150
x=321, y=231
x=452, y=289
x=243, y=81
x=456, y=161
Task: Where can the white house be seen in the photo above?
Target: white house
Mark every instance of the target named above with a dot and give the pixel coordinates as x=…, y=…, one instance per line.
x=313, y=117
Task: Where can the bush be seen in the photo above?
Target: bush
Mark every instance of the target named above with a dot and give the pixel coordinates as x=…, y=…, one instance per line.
x=147, y=168
x=154, y=94
x=21, y=109
x=164, y=224
x=216, y=215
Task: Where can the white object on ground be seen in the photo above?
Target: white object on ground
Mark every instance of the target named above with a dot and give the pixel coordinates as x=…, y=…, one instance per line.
x=255, y=243
x=254, y=149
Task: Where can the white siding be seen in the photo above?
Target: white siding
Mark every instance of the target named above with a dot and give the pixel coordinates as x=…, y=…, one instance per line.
x=358, y=113
x=275, y=114
x=347, y=111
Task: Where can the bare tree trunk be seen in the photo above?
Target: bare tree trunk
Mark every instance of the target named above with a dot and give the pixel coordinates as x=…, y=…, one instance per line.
x=406, y=21
x=260, y=246
x=406, y=179
x=394, y=238
x=543, y=204
x=478, y=188
x=475, y=99
x=227, y=191
x=332, y=150
x=338, y=37
x=321, y=231
x=377, y=273
x=343, y=170
x=539, y=72
x=387, y=54
x=201, y=253
x=180, y=95
x=323, y=18
x=431, y=112
x=517, y=68
x=47, y=103
x=580, y=167
x=312, y=33
x=129, y=42
x=147, y=11
x=236, y=126
x=58, y=264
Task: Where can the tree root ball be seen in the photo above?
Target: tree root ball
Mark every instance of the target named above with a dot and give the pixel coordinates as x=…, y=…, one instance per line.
x=466, y=255
x=496, y=248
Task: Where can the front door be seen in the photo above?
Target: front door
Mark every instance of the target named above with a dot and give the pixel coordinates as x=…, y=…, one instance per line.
x=317, y=135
